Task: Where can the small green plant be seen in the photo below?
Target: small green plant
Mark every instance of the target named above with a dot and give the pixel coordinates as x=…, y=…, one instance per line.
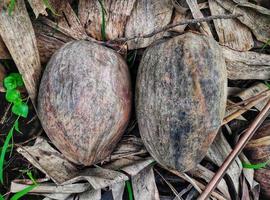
x=255, y=166
x=129, y=189
x=103, y=25
x=20, y=108
x=13, y=95
x=23, y=192
x=26, y=190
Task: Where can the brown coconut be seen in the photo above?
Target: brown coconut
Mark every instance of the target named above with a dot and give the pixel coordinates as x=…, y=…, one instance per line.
x=84, y=101
x=181, y=99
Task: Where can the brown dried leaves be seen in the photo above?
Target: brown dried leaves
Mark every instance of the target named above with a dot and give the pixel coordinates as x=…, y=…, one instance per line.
x=19, y=37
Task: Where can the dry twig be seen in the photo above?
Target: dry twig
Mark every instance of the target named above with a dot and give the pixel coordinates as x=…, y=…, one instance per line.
x=243, y=109
x=189, y=21
x=236, y=151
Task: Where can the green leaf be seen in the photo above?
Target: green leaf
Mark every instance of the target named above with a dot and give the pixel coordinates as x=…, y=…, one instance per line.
x=8, y=149
x=11, y=6
x=255, y=166
x=20, y=109
x=18, y=78
x=103, y=23
x=129, y=189
x=30, y=175
x=16, y=126
x=23, y=192
x=10, y=83
x=1, y=197
x=13, y=96
x=3, y=153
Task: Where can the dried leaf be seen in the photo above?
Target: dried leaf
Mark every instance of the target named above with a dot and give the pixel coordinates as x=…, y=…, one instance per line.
x=118, y=190
x=129, y=145
x=231, y=32
x=56, y=196
x=177, y=18
x=122, y=162
x=118, y=12
x=252, y=91
x=196, y=184
x=248, y=173
x=18, y=34
x=2, y=76
x=51, y=188
x=182, y=192
x=258, y=148
x=255, y=96
x=193, y=194
x=4, y=53
x=49, y=39
x=88, y=195
x=232, y=91
x=99, y=177
x=144, y=185
x=52, y=163
x=67, y=20
x=256, y=190
x=255, y=17
x=49, y=161
x=195, y=10
x=38, y=7
x=166, y=198
x=230, y=111
x=245, y=190
x=218, y=152
x=180, y=6
x=146, y=17
x=204, y=173
x=247, y=65
x=263, y=177
x=138, y=166
x=235, y=111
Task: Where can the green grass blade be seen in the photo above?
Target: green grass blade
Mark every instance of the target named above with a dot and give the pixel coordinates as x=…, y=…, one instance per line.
x=30, y=175
x=255, y=166
x=265, y=45
x=23, y=192
x=3, y=153
x=129, y=189
x=49, y=6
x=267, y=84
x=11, y=6
x=103, y=25
x=8, y=149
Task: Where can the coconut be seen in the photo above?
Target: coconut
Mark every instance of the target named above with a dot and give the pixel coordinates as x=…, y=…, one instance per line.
x=84, y=101
x=181, y=99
